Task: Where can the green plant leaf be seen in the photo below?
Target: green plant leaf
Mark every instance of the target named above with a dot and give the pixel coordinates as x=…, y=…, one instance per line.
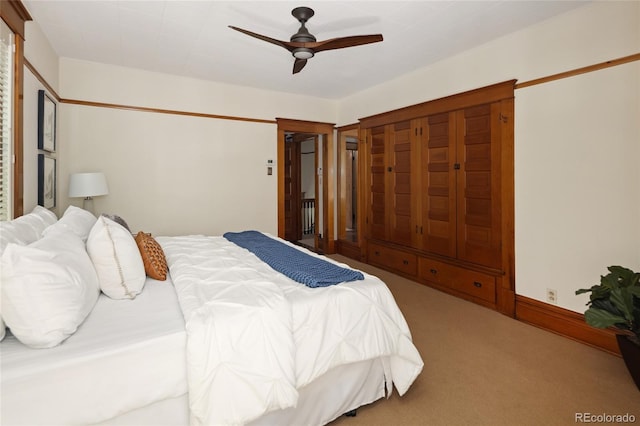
x=621, y=272
x=609, y=281
x=600, y=292
x=606, y=305
x=600, y=318
x=622, y=299
x=584, y=290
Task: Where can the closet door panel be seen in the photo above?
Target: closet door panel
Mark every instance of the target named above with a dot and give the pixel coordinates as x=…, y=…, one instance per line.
x=377, y=180
x=438, y=189
x=478, y=146
x=400, y=183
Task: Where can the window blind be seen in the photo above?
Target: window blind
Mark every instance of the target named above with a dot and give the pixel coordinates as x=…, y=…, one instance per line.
x=6, y=119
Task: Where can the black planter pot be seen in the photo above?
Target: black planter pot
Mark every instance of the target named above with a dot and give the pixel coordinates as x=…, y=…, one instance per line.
x=631, y=355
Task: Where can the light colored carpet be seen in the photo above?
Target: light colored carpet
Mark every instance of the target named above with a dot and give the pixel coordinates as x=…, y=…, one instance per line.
x=483, y=368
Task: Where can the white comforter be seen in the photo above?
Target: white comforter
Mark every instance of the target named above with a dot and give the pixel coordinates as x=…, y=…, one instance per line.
x=255, y=336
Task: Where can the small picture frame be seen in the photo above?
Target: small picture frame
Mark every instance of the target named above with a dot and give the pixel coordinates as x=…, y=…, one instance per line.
x=46, y=122
x=46, y=181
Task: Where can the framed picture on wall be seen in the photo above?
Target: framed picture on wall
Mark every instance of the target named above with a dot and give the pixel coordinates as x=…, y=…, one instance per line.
x=46, y=122
x=46, y=181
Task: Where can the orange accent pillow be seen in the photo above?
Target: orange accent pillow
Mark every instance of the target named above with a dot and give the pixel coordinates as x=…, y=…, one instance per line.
x=155, y=263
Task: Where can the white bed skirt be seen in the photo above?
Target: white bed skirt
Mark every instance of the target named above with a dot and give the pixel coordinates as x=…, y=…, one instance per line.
x=338, y=391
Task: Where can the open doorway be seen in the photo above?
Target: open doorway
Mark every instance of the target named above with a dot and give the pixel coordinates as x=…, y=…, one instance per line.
x=292, y=220
x=303, y=215
x=349, y=192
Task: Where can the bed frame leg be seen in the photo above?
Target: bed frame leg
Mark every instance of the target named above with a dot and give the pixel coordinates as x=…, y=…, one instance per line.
x=351, y=413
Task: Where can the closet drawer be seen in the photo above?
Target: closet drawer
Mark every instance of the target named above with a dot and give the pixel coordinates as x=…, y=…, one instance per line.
x=473, y=283
x=393, y=259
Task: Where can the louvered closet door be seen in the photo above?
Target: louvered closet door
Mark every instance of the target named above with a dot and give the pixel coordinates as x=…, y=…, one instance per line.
x=377, y=176
x=400, y=219
x=478, y=204
x=438, y=183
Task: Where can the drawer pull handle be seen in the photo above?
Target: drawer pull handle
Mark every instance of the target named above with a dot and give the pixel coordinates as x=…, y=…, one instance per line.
x=377, y=253
x=477, y=284
x=405, y=261
x=433, y=271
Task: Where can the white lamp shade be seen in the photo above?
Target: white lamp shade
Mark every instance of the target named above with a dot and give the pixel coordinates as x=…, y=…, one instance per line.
x=88, y=185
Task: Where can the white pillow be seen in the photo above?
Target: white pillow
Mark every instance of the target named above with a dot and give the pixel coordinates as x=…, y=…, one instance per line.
x=116, y=258
x=76, y=220
x=47, y=216
x=48, y=288
x=24, y=230
x=12, y=233
x=27, y=228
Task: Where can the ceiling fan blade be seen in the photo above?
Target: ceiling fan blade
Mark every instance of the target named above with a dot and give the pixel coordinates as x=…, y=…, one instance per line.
x=342, y=42
x=298, y=65
x=263, y=38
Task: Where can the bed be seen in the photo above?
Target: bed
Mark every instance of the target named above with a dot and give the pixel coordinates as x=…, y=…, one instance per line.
x=224, y=339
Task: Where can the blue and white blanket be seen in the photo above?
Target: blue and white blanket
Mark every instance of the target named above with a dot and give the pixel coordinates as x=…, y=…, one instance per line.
x=295, y=264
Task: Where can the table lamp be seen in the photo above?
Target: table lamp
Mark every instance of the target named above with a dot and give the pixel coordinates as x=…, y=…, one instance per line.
x=88, y=185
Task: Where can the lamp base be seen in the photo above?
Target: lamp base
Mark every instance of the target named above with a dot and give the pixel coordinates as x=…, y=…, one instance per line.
x=87, y=204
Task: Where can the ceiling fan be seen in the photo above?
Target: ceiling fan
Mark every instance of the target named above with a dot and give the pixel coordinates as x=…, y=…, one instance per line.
x=303, y=44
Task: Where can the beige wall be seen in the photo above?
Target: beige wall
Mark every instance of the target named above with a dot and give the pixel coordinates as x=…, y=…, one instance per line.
x=577, y=143
x=592, y=33
x=171, y=174
x=91, y=81
x=577, y=182
x=41, y=55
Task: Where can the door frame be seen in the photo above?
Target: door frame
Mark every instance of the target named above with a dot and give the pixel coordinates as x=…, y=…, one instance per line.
x=327, y=244
x=352, y=130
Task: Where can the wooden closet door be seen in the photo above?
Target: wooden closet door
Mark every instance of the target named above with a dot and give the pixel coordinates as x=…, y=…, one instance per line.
x=438, y=184
x=400, y=195
x=377, y=176
x=292, y=227
x=478, y=186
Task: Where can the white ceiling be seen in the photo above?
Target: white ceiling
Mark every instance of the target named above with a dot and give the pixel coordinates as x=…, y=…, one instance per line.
x=192, y=38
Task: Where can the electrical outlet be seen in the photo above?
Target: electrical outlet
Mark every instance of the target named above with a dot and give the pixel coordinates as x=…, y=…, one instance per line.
x=552, y=296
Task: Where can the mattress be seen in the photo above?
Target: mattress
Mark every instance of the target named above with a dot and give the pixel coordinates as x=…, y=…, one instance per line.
x=126, y=355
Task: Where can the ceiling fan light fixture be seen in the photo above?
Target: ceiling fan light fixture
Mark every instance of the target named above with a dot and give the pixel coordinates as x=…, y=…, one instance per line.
x=302, y=53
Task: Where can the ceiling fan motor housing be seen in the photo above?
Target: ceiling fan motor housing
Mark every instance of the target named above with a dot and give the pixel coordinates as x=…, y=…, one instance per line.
x=302, y=14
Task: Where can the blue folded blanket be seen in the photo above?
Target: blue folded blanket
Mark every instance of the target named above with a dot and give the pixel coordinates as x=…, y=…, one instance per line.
x=301, y=267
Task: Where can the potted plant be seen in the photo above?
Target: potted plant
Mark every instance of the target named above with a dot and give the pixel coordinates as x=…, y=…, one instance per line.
x=616, y=302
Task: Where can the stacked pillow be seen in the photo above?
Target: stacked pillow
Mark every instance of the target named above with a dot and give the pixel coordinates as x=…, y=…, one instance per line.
x=24, y=230
x=53, y=270
x=27, y=228
x=74, y=220
x=48, y=288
